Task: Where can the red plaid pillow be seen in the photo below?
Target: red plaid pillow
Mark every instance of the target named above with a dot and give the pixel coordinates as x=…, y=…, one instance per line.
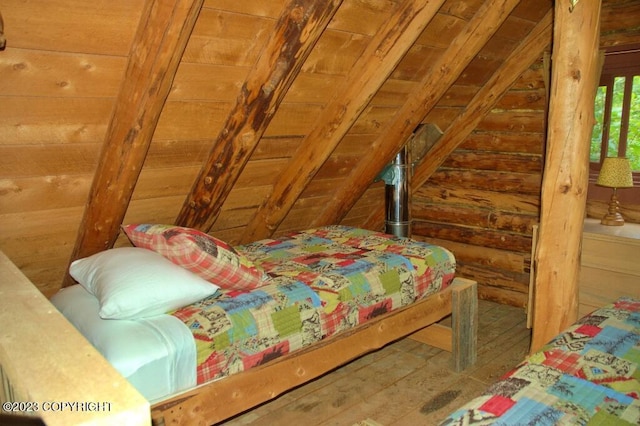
x=210, y=258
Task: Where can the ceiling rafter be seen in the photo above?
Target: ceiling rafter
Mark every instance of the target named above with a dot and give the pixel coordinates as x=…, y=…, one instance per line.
x=296, y=33
x=434, y=84
x=161, y=37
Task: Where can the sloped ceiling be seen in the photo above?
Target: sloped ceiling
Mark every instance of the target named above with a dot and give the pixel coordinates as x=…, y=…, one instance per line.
x=330, y=91
x=250, y=119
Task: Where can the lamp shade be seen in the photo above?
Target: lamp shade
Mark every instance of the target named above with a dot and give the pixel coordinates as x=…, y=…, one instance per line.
x=615, y=173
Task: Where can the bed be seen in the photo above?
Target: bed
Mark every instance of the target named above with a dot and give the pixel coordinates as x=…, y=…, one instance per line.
x=282, y=312
x=587, y=375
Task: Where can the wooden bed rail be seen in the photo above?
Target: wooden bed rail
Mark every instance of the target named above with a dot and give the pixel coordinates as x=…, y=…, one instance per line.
x=49, y=371
x=219, y=400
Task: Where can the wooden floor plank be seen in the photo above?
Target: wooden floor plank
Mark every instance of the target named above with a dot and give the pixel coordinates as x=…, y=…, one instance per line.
x=434, y=409
x=405, y=383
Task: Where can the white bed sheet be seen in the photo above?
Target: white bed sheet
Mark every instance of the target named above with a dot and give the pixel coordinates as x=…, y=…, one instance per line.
x=157, y=355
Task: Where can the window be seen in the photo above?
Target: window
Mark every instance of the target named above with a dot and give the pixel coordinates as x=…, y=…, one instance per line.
x=616, y=132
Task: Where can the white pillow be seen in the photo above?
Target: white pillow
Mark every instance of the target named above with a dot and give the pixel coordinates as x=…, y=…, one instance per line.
x=131, y=282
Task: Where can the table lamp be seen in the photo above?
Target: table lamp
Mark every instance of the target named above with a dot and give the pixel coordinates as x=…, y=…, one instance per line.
x=615, y=173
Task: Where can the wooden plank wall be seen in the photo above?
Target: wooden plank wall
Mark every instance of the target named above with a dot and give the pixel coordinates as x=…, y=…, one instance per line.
x=57, y=87
x=224, y=30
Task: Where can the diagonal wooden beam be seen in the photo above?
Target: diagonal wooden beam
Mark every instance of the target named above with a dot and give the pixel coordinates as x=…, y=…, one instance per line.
x=528, y=51
x=296, y=32
x=369, y=73
x=435, y=83
x=163, y=31
x=574, y=80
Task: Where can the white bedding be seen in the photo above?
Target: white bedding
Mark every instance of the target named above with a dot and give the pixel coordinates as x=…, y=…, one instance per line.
x=160, y=352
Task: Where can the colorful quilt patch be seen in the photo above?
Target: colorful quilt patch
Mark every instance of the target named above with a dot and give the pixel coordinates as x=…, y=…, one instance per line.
x=588, y=375
x=322, y=281
x=497, y=405
x=530, y=412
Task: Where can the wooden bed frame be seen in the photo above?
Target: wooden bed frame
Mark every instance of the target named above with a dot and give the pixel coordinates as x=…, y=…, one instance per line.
x=60, y=371
x=219, y=400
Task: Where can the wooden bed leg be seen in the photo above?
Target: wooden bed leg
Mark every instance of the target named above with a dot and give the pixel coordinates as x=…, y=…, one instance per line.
x=464, y=322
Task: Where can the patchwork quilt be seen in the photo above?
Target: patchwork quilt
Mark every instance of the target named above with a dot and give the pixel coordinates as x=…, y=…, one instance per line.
x=322, y=281
x=588, y=375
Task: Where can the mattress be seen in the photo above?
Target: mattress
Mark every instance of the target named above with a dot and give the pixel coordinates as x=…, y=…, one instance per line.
x=587, y=375
x=321, y=282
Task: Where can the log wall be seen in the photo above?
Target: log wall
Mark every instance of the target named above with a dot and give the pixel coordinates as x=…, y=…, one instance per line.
x=484, y=200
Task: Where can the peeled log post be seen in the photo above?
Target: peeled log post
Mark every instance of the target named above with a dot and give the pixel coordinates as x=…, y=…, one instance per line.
x=3, y=41
x=564, y=186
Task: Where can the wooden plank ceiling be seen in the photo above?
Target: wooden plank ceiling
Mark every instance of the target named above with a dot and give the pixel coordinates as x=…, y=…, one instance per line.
x=164, y=30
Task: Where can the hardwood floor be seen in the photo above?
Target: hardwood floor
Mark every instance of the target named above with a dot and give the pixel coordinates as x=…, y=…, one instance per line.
x=405, y=383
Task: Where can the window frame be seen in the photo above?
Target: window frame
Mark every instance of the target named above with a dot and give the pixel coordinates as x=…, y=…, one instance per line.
x=619, y=61
x=614, y=62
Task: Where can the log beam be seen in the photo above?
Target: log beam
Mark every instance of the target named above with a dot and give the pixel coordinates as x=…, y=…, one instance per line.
x=435, y=83
x=297, y=31
x=162, y=35
x=574, y=82
x=382, y=55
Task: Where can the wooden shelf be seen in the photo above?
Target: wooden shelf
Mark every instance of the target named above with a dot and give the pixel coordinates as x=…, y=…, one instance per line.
x=610, y=267
x=628, y=230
